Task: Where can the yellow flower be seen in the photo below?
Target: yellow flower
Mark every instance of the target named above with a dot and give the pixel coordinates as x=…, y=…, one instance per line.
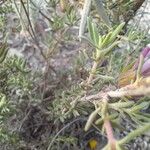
x=92, y=144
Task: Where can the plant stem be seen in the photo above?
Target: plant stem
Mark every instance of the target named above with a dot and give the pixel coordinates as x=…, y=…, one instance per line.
x=92, y=73
x=109, y=132
x=86, y=9
x=62, y=129
x=107, y=125
x=99, y=55
x=132, y=91
x=138, y=74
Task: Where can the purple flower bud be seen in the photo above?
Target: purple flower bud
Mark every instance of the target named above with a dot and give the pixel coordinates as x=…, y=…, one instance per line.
x=146, y=68
x=146, y=52
x=146, y=65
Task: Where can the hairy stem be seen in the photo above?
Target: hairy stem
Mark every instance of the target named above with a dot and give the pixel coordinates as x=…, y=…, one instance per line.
x=109, y=132
x=86, y=9
x=92, y=73
x=138, y=74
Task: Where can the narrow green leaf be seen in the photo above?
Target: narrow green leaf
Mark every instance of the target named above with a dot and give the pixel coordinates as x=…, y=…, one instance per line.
x=2, y=48
x=3, y=55
x=141, y=117
x=93, y=32
x=121, y=104
x=91, y=119
x=106, y=42
x=139, y=107
x=116, y=32
x=134, y=134
x=100, y=41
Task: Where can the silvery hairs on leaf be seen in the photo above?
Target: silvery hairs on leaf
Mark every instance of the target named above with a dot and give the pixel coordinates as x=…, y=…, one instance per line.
x=102, y=12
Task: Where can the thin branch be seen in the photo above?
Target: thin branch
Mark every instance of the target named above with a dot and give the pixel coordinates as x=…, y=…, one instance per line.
x=21, y=19
x=139, y=89
x=109, y=132
x=41, y=12
x=69, y=124
x=86, y=10
x=29, y=21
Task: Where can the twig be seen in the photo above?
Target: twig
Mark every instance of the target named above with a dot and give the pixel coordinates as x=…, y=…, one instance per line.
x=92, y=73
x=29, y=21
x=52, y=141
x=91, y=98
x=109, y=132
x=86, y=9
x=129, y=90
x=41, y=12
x=21, y=19
x=107, y=125
x=138, y=74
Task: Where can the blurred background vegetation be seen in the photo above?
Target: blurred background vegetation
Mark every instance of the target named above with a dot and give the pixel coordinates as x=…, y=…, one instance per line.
x=43, y=67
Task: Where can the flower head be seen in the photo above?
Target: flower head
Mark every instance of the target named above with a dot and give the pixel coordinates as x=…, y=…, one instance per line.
x=129, y=75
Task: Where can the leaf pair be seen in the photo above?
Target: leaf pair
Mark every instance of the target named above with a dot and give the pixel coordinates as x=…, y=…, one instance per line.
x=104, y=44
x=105, y=40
